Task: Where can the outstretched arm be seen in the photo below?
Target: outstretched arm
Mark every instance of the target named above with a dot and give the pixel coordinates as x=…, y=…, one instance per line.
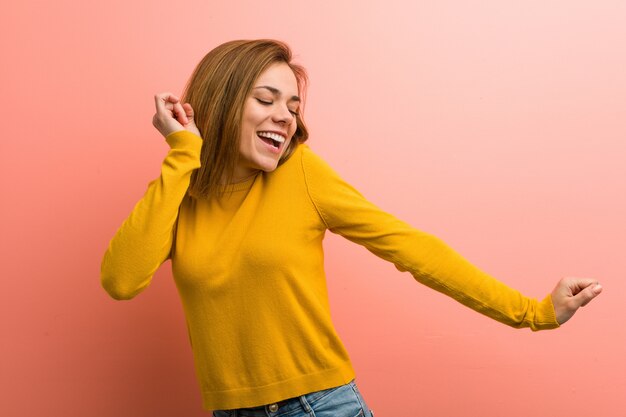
x=431, y=261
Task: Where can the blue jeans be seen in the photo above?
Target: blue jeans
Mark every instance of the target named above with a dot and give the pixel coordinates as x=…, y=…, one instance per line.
x=341, y=401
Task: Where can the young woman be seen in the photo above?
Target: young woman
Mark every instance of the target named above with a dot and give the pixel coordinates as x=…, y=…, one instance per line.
x=241, y=208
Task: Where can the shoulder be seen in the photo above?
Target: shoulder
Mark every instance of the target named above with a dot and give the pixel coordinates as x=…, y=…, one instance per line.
x=311, y=162
x=304, y=159
x=305, y=168
x=320, y=178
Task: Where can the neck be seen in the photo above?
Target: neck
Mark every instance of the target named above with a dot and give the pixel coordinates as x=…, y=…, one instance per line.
x=239, y=177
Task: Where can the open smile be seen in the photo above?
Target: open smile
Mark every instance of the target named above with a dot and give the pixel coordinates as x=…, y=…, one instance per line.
x=274, y=140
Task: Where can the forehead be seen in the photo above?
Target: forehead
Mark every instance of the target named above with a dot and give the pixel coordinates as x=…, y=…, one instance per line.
x=281, y=77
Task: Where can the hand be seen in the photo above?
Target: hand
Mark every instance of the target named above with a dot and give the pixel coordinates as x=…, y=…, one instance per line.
x=172, y=116
x=571, y=294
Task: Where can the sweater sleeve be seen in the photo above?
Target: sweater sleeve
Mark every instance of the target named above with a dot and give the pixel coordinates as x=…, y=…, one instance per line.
x=144, y=240
x=431, y=262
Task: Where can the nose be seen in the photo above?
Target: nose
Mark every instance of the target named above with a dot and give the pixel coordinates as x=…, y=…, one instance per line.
x=282, y=115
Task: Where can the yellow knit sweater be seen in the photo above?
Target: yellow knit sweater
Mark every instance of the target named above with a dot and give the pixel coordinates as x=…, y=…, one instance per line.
x=249, y=269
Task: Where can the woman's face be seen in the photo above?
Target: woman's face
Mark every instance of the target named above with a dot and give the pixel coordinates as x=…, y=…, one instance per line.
x=269, y=121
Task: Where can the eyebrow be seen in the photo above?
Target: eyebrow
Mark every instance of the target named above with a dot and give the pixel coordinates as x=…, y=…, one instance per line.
x=276, y=92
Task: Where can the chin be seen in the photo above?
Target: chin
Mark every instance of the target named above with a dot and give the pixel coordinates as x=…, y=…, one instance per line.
x=267, y=164
x=269, y=168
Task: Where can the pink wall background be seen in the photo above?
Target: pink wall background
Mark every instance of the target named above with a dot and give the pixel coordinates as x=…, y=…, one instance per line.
x=497, y=125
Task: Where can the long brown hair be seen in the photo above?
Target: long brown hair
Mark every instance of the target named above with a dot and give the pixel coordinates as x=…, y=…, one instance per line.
x=217, y=91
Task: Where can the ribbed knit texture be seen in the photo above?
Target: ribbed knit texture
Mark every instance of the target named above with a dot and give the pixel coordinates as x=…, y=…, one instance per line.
x=249, y=270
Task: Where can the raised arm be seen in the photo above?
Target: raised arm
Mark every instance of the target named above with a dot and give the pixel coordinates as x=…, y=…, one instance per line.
x=144, y=240
x=431, y=261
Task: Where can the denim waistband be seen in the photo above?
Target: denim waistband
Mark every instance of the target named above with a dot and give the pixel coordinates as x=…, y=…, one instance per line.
x=292, y=406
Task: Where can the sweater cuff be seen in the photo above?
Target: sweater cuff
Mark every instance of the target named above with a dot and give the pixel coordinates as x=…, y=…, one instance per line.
x=546, y=317
x=184, y=139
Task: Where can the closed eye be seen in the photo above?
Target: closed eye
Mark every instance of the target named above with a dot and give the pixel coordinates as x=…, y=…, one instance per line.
x=268, y=103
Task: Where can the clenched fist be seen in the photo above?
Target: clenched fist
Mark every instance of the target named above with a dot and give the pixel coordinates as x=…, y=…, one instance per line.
x=172, y=116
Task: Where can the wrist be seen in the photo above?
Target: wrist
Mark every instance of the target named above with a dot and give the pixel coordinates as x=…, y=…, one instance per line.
x=184, y=139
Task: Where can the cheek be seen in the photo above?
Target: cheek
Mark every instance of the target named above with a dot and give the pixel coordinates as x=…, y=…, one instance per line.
x=248, y=129
x=250, y=119
x=246, y=141
x=292, y=129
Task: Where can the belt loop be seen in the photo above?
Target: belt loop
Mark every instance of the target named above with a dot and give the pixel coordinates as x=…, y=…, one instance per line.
x=305, y=404
x=235, y=413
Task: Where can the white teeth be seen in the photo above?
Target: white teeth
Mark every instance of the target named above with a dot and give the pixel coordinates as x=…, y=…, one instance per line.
x=273, y=136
